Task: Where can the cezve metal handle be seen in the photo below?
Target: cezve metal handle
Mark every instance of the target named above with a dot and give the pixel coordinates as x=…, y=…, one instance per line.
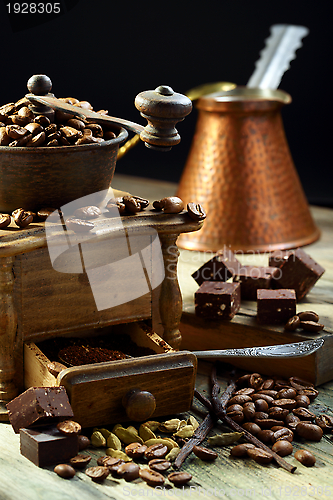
x=294, y=350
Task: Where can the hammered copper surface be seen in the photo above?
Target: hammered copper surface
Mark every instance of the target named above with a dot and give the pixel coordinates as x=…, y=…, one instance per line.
x=241, y=171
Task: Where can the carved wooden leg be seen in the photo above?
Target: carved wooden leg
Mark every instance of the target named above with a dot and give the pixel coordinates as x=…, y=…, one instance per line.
x=8, y=326
x=170, y=298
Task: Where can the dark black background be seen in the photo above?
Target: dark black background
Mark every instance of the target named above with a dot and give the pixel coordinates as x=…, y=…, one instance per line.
x=107, y=51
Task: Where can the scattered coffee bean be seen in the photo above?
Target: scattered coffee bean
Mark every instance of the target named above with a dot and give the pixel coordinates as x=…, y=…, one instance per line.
x=65, y=471
x=286, y=393
x=205, y=453
x=251, y=427
x=325, y=422
x=21, y=218
x=179, y=478
x=282, y=448
x=240, y=450
x=283, y=434
x=302, y=401
x=260, y=456
x=156, y=451
x=132, y=204
x=69, y=427
x=159, y=464
x=80, y=461
x=169, y=205
x=135, y=450
x=116, y=206
x=84, y=442
x=305, y=457
x=79, y=225
x=4, y=220
x=292, y=324
x=128, y=471
x=304, y=413
x=196, y=211
x=311, y=326
x=98, y=473
x=111, y=463
x=87, y=213
x=265, y=435
x=151, y=477
x=311, y=432
x=308, y=316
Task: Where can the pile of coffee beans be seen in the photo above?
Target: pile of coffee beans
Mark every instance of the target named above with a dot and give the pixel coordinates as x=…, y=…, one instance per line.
x=20, y=127
x=307, y=321
x=275, y=411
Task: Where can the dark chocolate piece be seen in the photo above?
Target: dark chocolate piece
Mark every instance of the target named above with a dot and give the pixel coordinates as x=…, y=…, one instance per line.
x=47, y=446
x=220, y=268
x=275, y=306
x=252, y=278
x=279, y=257
x=39, y=405
x=217, y=300
x=299, y=272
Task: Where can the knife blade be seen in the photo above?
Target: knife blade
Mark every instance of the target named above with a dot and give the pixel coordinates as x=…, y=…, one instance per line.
x=293, y=350
x=275, y=58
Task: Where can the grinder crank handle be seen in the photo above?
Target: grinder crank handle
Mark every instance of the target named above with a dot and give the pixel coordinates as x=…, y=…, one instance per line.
x=162, y=108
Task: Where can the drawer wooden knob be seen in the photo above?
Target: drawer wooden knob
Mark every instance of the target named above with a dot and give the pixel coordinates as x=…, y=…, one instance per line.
x=139, y=405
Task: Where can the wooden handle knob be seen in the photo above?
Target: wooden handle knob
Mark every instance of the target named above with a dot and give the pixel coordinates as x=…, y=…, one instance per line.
x=139, y=405
x=41, y=85
x=162, y=108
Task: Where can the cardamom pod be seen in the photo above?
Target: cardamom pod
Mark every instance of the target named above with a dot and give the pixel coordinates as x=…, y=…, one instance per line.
x=225, y=438
x=185, y=432
x=118, y=454
x=169, y=426
x=193, y=421
x=97, y=439
x=146, y=433
x=152, y=425
x=164, y=441
x=113, y=441
x=173, y=454
x=129, y=435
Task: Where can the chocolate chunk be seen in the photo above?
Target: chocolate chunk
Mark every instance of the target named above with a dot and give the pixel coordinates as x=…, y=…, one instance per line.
x=217, y=300
x=299, y=272
x=275, y=306
x=252, y=278
x=279, y=257
x=39, y=405
x=220, y=268
x=47, y=446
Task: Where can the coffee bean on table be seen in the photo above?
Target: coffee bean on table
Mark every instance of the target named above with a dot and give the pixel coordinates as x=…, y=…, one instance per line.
x=98, y=473
x=79, y=225
x=196, y=211
x=282, y=448
x=65, y=471
x=21, y=218
x=260, y=456
x=159, y=464
x=156, y=451
x=151, y=477
x=179, y=478
x=205, y=453
x=69, y=427
x=325, y=422
x=309, y=431
x=80, y=461
x=128, y=471
x=240, y=450
x=169, y=205
x=292, y=324
x=111, y=463
x=308, y=316
x=90, y=212
x=311, y=326
x=4, y=220
x=305, y=457
x=84, y=442
x=135, y=450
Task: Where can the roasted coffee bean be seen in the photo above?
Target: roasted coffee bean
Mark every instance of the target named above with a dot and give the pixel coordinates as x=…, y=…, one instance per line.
x=135, y=450
x=299, y=383
x=260, y=456
x=36, y=140
x=156, y=451
x=96, y=129
x=236, y=416
x=240, y=450
x=87, y=213
x=255, y=380
x=267, y=398
x=278, y=413
x=84, y=442
x=304, y=413
x=151, y=477
x=243, y=380
x=268, y=423
x=292, y=324
x=282, y=448
x=325, y=422
x=267, y=384
x=65, y=471
x=44, y=213
x=69, y=427
x=311, y=393
x=179, y=478
x=280, y=384
x=311, y=326
x=70, y=133
x=235, y=407
x=261, y=405
x=309, y=431
x=116, y=206
x=159, y=464
x=269, y=392
x=283, y=434
x=76, y=123
x=111, y=463
x=15, y=131
x=248, y=391
x=260, y=415
x=54, y=367
x=196, y=211
x=205, y=453
x=79, y=225
x=251, y=427
x=249, y=410
x=265, y=435
x=305, y=457
x=291, y=419
x=277, y=427
x=42, y=120
x=128, y=471
x=21, y=218
x=288, y=404
x=302, y=401
x=80, y=461
x=5, y=220
x=240, y=399
x=108, y=135
x=5, y=140
x=132, y=205
x=169, y=205
x=308, y=316
x=98, y=473
x=286, y=393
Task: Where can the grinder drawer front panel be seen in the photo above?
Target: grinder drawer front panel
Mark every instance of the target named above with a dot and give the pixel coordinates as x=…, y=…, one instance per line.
x=97, y=392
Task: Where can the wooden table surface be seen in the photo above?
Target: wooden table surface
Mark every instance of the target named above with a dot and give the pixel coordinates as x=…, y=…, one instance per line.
x=226, y=477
